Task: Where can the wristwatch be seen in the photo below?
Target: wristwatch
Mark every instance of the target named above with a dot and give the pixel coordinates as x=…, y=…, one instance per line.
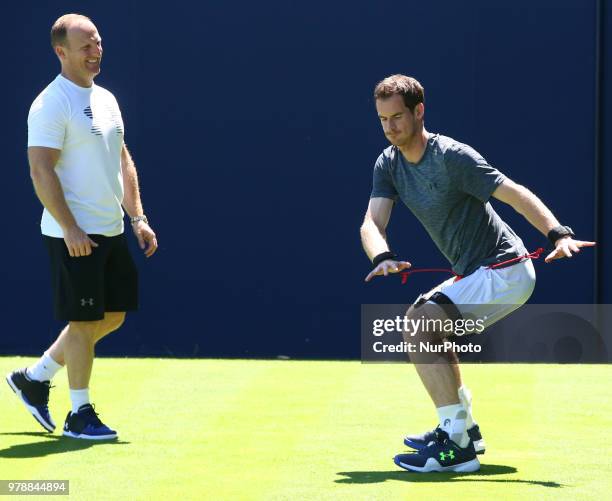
x=135, y=219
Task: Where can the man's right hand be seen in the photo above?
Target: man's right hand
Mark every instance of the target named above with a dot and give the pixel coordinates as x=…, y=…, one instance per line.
x=386, y=267
x=78, y=242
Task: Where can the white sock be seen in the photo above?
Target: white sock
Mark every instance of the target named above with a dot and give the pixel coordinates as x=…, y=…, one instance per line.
x=452, y=421
x=465, y=397
x=44, y=369
x=78, y=398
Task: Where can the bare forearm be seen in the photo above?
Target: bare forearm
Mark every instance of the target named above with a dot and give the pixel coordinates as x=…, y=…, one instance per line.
x=373, y=239
x=49, y=191
x=131, y=189
x=534, y=210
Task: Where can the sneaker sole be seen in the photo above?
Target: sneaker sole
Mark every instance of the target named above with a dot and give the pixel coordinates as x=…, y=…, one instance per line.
x=479, y=445
x=89, y=437
x=50, y=427
x=433, y=466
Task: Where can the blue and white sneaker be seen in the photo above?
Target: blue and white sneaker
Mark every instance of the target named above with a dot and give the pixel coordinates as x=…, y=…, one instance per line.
x=86, y=424
x=418, y=442
x=34, y=395
x=441, y=454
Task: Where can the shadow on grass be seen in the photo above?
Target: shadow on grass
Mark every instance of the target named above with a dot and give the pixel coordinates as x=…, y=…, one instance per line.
x=374, y=477
x=52, y=444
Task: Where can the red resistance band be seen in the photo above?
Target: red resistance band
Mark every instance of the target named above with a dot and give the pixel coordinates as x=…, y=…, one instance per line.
x=533, y=255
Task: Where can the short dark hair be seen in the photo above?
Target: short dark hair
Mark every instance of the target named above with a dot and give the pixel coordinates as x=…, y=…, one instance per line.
x=60, y=28
x=407, y=87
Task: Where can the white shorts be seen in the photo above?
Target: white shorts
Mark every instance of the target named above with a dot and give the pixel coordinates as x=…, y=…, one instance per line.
x=489, y=293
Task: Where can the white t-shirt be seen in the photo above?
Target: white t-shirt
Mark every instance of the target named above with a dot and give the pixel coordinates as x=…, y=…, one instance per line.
x=86, y=125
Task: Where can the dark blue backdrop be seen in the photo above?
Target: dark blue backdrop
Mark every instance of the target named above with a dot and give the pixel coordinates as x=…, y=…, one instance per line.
x=254, y=132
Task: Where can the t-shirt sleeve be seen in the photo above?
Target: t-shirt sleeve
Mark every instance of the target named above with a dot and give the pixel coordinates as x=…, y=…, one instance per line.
x=47, y=122
x=118, y=116
x=382, y=182
x=472, y=172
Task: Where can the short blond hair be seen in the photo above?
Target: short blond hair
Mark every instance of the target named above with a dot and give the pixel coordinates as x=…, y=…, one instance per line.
x=60, y=28
x=409, y=88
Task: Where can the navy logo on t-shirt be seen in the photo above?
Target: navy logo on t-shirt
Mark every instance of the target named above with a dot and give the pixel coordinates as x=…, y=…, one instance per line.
x=108, y=117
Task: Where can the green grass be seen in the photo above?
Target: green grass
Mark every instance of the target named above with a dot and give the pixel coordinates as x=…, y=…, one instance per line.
x=239, y=429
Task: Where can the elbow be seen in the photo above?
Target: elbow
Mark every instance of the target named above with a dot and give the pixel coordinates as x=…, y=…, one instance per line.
x=36, y=173
x=41, y=174
x=519, y=207
x=524, y=200
x=364, y=231
x=518, y=197
x=369, y=227
x=366, y=227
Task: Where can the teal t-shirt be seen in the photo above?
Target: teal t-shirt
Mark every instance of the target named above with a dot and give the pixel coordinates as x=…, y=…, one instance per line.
x=448, y=191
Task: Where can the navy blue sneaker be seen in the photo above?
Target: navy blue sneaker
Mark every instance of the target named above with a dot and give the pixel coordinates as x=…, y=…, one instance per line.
x=34, y=395
x=86, y=424
x=441, y=454
x=418, y=442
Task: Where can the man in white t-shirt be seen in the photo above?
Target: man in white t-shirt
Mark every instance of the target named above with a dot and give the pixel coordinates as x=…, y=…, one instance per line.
x=84, y=176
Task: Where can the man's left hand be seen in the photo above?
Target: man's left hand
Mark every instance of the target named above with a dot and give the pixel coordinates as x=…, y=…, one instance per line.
x=146, y=237
x=564, y=248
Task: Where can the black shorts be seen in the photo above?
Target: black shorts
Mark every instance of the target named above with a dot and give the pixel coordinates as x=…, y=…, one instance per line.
x=87, y=286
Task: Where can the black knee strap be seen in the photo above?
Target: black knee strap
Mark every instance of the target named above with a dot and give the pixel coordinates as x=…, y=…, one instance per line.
x=450, y=308
x=421, y=300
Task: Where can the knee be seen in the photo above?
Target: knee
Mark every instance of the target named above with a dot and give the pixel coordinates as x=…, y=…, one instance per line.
x=112, y=321
x=89, y=330
x=425, y=327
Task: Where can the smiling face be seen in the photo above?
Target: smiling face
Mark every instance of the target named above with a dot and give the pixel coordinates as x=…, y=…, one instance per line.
x=81, y=53
x=400, y=125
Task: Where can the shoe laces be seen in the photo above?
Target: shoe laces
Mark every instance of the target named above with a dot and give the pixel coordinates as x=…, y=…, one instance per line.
x=92, y=416
x=49, y=386
x=40, y=392
x=440, y=439
x=441, y=435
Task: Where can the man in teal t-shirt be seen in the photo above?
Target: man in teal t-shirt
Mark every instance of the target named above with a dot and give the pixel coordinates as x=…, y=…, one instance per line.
x=447, y=186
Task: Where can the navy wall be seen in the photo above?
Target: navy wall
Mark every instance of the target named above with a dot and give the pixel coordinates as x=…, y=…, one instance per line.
x=254, y=131
x=604, y=268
